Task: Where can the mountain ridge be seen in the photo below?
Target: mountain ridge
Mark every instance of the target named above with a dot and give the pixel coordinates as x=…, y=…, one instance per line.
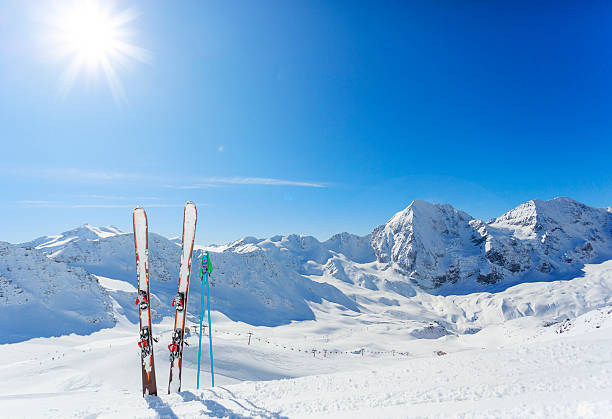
x=437, y=246
x=423, y=251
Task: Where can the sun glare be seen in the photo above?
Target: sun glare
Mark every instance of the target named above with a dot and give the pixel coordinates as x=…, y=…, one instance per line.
x=92, y=38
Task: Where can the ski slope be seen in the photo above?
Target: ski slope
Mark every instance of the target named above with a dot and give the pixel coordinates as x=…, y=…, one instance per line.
x=530, y=366
x=433, y=314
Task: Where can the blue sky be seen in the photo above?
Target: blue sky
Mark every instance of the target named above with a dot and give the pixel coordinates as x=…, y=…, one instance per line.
x=308, y=117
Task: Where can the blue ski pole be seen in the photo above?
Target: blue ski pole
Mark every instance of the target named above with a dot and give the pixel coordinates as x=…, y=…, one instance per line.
x=201, y=316
x=212, y=372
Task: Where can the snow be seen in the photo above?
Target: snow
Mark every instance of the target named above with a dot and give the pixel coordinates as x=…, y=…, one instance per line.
x=521, y=368
x=448, y=252
x=384, y=325
x=85, y=231
x=115, y=285
x=34, y=287
x=276, y=281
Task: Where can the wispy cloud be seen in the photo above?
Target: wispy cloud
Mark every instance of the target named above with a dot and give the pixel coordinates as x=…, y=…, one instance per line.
x=123, y=205
x=37, y=203
x=194, y=186
x=120, y=198
x=78, y=174
x=216, y=182
x=90, y=174
x=264, y=181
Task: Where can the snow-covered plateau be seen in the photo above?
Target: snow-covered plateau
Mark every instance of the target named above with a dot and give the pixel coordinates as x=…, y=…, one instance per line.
x=433, y=314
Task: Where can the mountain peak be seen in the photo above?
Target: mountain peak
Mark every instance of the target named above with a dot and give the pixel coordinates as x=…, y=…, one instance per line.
x=537, y=217
x=427, y=212
x=435, y=244
x=558, y=203
x=91, y=232
x=420, y=205
x=83, y=232
x=423, y=236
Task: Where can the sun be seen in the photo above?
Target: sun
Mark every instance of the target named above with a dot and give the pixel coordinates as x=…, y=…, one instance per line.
x=91, y=37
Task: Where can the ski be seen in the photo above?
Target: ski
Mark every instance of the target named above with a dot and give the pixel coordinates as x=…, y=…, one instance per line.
x=180, y=301
x=141, y=242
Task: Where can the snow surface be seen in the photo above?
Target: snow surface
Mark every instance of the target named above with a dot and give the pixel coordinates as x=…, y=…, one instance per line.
x=433, y=314
x=85, y=231
x=115, y=284
x=527, y=367
x=34, y=287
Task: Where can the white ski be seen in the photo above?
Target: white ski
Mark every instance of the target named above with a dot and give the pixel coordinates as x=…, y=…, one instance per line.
x=141, y=242
x=180, y=301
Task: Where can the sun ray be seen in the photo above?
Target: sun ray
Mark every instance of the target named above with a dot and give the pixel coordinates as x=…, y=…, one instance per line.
x=132, y=51
x=123, y=18
x=70, y=74
x=113, y=81
x=93, y=37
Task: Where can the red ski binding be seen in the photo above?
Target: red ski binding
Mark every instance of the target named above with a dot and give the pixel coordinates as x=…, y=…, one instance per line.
x=142, y=299
x=178, y=302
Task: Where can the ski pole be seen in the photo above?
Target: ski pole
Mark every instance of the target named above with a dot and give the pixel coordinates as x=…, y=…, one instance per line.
x=201, y=316
x=212, y=372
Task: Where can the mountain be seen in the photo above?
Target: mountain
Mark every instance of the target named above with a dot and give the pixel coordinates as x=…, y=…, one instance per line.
x=431, y=244
x=84, y=232
x=398, y=273
x=424, y=305
x=262, y=282
x=41, y=297
x=445, y=250
x=556, y=233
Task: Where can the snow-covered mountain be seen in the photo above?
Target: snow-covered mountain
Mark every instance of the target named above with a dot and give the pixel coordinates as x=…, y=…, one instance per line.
x=394, y=273
x=440, y=247
x=558, y=234
x=40, y=296
x=262, y=282
x=84, y=232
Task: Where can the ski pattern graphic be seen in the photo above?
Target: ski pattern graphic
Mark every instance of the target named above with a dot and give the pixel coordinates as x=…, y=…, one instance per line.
x=141, y=242
x=180, y=301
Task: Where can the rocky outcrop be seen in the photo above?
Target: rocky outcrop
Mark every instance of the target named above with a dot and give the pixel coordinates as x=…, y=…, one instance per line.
x=437, y=245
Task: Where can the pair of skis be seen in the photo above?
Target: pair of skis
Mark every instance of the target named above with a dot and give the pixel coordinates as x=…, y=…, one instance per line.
x=149, y=385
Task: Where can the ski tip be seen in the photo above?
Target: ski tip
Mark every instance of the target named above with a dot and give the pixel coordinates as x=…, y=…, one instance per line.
x=138, y=208
x=189, y=203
